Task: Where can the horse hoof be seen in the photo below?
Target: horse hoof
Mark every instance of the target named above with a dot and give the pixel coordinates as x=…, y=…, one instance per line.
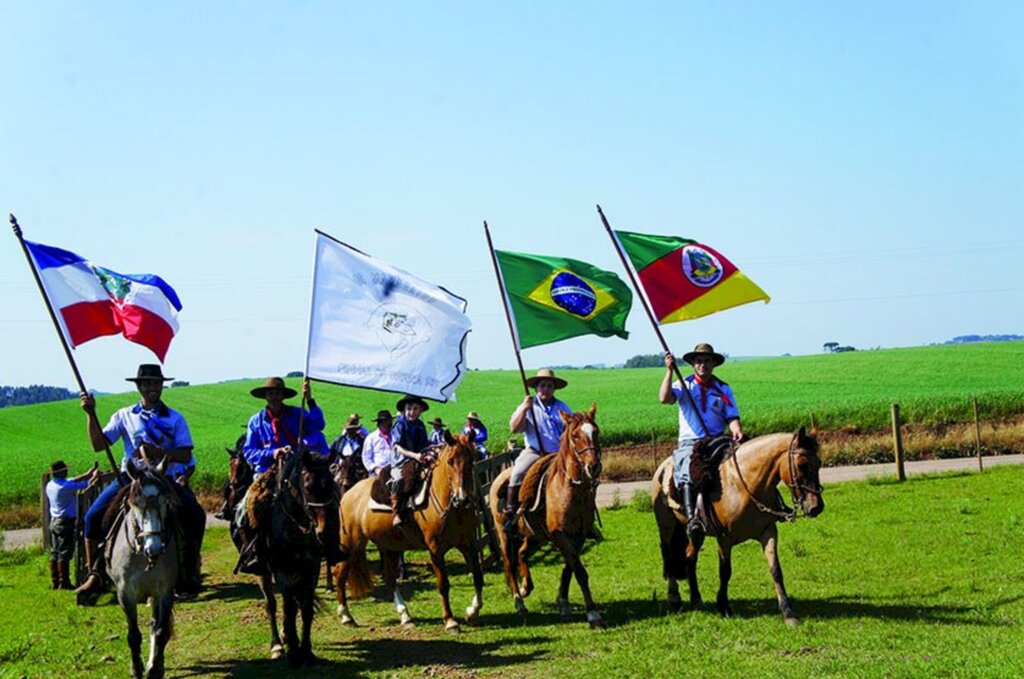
x=406, y=620
x=793, y=621
x=594, y=618
x=347, y=621
x=452, y=626
x=472, y=614
x=311, y=660
x=276, y=652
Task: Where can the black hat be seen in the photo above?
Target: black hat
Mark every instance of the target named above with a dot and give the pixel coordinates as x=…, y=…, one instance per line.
x=273, y=383
x=58, y=466
x=704, y=349
x=384, y=415
x=149, y=371
x=437, y=422
x=409, y=398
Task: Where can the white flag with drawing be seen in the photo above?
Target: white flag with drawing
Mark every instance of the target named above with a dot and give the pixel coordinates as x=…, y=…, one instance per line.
x=374, y=325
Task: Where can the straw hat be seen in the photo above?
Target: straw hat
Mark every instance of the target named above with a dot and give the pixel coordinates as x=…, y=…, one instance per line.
x=546, y=374
x=472, y=415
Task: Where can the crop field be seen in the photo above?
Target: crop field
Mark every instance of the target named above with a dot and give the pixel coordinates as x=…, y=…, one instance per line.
x=892, y=580
x=850, y=391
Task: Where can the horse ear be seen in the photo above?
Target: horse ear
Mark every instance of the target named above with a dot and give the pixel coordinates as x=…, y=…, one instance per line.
x=801, y=437
x=334, y=468
x=448, y=438
x=566, y=417
x=593, y=410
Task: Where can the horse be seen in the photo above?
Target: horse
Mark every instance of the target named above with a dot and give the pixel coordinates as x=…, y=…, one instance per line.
x=748, y=508
x=142, y=561
x=302, y=520
x=447, y=520
x=240, y=476
x=564, y=513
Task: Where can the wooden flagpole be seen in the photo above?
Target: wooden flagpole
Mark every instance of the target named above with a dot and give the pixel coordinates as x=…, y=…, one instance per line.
x=650, y=314
x=60, y=333
x=512, y=333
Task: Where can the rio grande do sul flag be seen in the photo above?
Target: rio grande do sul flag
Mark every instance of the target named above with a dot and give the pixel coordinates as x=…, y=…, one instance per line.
x=555, y=298
x=683, y=279
x=92, y=302
x=373, y=325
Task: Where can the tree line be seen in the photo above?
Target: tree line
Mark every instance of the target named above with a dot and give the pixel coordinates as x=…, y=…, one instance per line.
x=36, y=393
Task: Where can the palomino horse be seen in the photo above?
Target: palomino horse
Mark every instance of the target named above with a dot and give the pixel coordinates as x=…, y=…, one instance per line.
x=564, y=515
x=447, y=520
x=303, y=528
x=143, y=562
x=748, y=508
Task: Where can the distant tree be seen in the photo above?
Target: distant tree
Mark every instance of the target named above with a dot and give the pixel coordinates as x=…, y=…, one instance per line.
x=841, y=350
x=645, y=361
x=179, y=383
x=830, y=347
x=36, y=393
x=294, y=373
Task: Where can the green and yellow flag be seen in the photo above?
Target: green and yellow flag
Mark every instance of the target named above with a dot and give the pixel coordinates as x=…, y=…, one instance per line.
x=555, y=298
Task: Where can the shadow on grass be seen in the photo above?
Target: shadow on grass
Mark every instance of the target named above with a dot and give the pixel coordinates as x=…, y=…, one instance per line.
x=376, y=655
x=267, y=668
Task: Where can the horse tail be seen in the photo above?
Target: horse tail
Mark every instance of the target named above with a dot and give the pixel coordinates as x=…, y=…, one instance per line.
x=360, y=579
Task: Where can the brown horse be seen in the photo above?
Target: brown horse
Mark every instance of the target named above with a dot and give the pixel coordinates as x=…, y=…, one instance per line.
x=748, y=508
x=447, y=520
x=564, y=515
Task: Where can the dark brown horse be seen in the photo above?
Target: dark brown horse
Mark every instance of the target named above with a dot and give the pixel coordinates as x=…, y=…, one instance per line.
x=748, y=508
x=564, y=514
x=239, y=479
x=447, y=520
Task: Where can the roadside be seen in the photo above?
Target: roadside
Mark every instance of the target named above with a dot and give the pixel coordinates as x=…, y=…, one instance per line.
x=609, y=494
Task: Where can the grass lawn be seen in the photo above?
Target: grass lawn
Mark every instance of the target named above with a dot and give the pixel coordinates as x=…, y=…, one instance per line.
x=920, y=578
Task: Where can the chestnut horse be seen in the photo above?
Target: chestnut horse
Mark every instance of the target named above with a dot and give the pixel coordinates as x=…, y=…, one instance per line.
x=748, y=508
x=564, y=515
x=447, y=520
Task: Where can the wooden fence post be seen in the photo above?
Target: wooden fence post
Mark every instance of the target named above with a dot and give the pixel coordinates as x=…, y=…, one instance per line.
x=977, y=433
x=897, y=441
x=654, y=449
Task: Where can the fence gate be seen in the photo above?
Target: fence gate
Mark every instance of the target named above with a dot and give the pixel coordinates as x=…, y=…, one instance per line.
x=484, y=473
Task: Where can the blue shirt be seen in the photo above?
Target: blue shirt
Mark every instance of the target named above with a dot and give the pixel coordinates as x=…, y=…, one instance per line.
x=411, y=435
x=261, y=440
x=177, y=469
x=134, y=425
x=61, y=495
x=549, y=422
x=717, y=406
x=316, y=442
x=480, y=432
x=436, y=437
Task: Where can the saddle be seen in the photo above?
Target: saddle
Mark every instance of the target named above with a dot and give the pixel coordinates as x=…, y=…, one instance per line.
x=415, y=487
x=531, y=493
x=706, y=477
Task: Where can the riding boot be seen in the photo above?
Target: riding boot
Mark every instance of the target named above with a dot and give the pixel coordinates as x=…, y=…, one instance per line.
x=86, y=594
x=250, y=554
x=396, y=509
x=510, y=524
x=64, y=574
x=693, y=524
x=54, y=575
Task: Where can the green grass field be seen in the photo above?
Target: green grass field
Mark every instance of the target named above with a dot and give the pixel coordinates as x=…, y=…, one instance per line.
x=932, y=384
x=893, y=580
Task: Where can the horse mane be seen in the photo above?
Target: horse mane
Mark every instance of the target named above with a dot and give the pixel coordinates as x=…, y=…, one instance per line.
x=462, y=445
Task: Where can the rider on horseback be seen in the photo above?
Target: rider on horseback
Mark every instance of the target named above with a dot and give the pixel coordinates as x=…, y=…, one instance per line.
x=539, y=413
x=410, y=443
x=272, y=435
x=706, y=407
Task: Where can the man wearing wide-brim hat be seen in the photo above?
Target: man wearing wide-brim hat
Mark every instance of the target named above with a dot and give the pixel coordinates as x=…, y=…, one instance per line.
x=150, y=432
x=379, y=444
x=272, y=435
x=436, y=434
x=707, y=408
x=475, y=428
x=538, y=419
x=350, y=443
x=410, y=443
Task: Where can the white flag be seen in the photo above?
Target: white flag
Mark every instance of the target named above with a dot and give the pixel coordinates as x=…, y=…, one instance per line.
x=373, y=325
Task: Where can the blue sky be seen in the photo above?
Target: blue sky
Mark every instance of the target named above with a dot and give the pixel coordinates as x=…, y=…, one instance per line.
x=861, y=162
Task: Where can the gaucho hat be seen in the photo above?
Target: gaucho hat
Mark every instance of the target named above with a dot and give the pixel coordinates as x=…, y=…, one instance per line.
x=384, y=416
x=437, y=422
x=273, y=383
x=409, y=398
x=149, y=371
x=704, y=349
x=546, y=374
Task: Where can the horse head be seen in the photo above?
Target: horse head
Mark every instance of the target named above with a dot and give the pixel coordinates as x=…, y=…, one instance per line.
x=801, y=473
x=319, y=496
x=581, y=441
x=151, y=501
x=456, y=464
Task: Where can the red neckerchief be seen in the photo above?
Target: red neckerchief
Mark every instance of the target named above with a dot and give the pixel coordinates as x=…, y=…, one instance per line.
x=279, y=428
x=705, y=388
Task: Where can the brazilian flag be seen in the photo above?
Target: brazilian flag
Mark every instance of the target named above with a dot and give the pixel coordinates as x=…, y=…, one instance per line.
x=555, y=298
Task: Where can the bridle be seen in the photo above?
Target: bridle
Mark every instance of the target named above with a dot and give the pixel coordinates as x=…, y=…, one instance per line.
x=309, y=506
x=442, y=510
x=798, y=491
x=578, y=452
x=135, y=534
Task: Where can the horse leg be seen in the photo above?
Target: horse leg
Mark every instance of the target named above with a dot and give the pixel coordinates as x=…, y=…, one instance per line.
x=291, y=637
x=570, y=550
x=724, y=575
x=769, y=543
x=692, y=553
x=340, y=589
x=270, y=602
x=564, y=609
x=525, y=580
x=131, y=614
x=307, y=610
x=390, y=559
x=472, y=558
x=443, y=588
x=159, y=634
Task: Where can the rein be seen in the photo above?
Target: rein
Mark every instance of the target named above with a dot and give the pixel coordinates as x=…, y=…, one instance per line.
x=798, y=499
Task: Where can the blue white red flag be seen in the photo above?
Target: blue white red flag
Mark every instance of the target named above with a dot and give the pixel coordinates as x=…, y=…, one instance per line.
x=92, y=302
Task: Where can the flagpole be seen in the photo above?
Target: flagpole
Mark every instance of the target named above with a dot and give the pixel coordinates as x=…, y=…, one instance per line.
x=650, y=314
x=60, y=333
x=512, y=332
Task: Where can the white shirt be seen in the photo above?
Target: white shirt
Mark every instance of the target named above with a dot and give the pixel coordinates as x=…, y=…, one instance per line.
x=377, y=451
